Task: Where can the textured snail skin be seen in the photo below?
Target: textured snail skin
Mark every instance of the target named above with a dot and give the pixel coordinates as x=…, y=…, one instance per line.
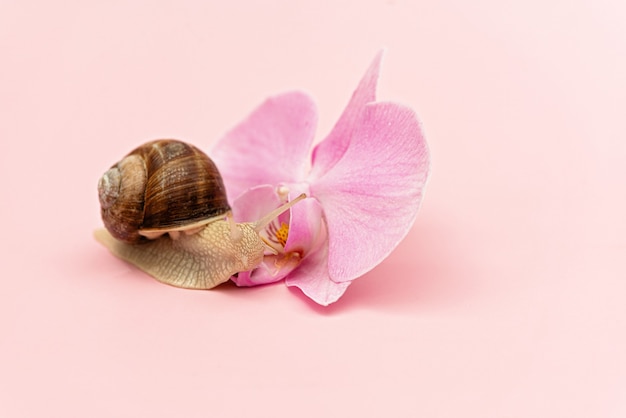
x=197, y=261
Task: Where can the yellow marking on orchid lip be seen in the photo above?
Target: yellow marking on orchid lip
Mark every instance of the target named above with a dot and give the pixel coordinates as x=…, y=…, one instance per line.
x=282, y=233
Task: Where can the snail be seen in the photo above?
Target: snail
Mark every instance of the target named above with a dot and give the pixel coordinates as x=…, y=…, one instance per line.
x=165, y=210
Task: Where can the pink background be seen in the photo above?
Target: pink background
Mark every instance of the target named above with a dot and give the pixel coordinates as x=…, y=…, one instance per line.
x=505, y=300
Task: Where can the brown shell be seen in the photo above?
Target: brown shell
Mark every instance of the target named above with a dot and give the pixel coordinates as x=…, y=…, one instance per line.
x=163, y=186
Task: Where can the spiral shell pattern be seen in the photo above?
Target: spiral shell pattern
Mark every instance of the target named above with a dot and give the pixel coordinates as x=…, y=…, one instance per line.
x=161, y=186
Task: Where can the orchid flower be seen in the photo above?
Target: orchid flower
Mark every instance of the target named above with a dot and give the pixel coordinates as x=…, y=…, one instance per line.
x=364, y=184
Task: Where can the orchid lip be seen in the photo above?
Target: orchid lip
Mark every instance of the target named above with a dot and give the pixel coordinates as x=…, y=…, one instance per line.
x=275, y=237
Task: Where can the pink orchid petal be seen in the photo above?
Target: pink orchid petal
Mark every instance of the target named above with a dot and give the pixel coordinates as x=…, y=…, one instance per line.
x=271, y=146
x=255, y=203
x=312, y=278
x=372, y=195
x=305, y=229
x=329, y=151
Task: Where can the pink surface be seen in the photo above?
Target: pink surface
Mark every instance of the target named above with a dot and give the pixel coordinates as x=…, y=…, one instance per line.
x=505, y=300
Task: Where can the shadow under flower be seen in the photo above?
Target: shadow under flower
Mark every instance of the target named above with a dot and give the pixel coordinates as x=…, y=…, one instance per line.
x=429, y=270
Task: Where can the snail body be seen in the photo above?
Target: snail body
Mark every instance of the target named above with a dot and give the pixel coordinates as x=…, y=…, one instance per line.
x=165, y=210
x=195, y=261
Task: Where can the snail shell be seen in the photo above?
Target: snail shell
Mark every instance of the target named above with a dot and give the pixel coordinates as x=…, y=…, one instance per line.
x=163, y=186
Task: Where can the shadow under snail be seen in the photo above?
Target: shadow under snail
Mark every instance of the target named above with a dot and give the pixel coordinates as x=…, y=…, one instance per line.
x=165, y=210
